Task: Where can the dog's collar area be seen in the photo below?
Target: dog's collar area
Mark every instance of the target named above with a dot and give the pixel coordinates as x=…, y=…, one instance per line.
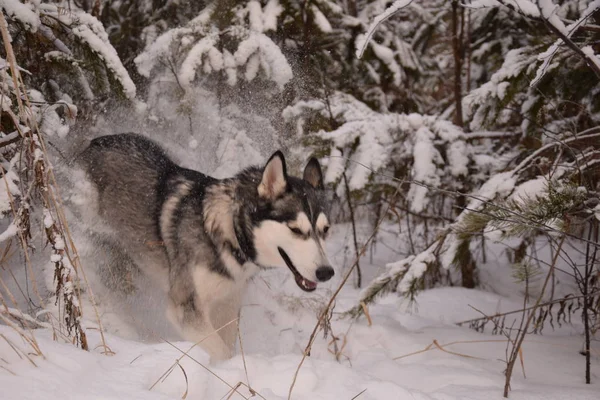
x=302, y=282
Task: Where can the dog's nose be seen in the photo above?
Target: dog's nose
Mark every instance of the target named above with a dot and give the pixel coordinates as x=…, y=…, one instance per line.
x=324, y=273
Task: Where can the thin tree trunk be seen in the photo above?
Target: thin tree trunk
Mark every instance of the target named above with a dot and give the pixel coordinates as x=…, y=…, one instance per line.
x=457, y=52
x=468, y=51
x=349, y=199
x=352, y=8
x=590, y=260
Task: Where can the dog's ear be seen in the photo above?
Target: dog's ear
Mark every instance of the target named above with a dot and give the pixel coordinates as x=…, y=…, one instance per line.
x=313, y=174
x=274, y=178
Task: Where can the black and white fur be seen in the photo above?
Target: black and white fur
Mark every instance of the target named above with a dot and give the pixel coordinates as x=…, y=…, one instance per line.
x=201, y=237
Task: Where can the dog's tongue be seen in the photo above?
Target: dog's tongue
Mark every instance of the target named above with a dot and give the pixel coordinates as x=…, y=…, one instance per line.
x=305, y=283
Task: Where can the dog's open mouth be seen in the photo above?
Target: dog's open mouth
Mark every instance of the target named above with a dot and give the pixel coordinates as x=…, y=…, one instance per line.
x=302, y=282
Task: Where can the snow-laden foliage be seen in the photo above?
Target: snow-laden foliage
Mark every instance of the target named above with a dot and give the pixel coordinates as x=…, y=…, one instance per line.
x=395, y=64
x=58, y=62
x=71, y=58
x=517, y=168
x=242, y=51
x=372, y=149
x=515, y=203
x=546, y=80
x=28, y=204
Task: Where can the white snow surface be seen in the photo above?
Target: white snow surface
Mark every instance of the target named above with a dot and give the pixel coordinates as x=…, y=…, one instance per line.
x=276, y=322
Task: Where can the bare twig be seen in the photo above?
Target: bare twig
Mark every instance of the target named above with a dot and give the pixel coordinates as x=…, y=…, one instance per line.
x=523, y=331
x=497, y=315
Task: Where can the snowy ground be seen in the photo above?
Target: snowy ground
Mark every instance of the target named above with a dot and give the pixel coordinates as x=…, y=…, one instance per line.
x=276, y=322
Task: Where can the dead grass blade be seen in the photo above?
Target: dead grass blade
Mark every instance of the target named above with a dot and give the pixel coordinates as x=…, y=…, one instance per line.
x=28, y=338
x=522, y=362
x=252, y=391
x=366, y=312
x=356, y=397
x=232, y=391
x=8, y=370
x=183, y=397
x=435, y=345
x=206, y=368
x=185, y=354
x=17, y=350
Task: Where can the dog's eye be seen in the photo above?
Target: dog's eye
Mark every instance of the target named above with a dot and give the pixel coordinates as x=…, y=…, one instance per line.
x=326, y=229
x=296, y=231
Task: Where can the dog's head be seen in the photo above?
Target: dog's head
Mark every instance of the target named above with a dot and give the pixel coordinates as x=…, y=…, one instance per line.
x=291, y=224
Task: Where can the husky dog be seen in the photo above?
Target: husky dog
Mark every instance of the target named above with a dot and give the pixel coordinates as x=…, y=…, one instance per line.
x=202, y=237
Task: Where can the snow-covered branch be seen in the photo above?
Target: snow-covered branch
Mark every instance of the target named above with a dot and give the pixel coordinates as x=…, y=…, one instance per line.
x=363, y=40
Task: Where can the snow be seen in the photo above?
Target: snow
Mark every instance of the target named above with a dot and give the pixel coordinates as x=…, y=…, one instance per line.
x=499, y=185
x=91, y=32
x=530, y=189
x=52, y=124
x=274, y=63
x=363, y=40
x=589, y=52
x=547, y=10
x=375, y=145
x=9, y=232
x=193, y=61
x=8, y=188
x=48, y=219
x=335, y=166
x=458, y=154
x=398, y=356
x=480, y=102
x=153, y=53
x=424, y=168
x=196, y=49
x=270, y=14
x=387, y=56
x=372, y=143
x=415, y=269
x=320, y=20
x=22, y=12
x=277, y=319
x=569, y=30
x=255, y=16
x=387, y=360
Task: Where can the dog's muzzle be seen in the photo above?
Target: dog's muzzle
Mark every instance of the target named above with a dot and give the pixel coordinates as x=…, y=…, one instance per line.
x=302, y=282
x=324, y=273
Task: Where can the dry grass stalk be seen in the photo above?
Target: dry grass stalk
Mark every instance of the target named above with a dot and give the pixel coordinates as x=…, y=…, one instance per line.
x=359, y=394
x=518, y=342
x=366, y=312
x=30, y=341
x=435, y=345
x=65, y=257
x=252, y=392
x=8, y=370
x=184, y=395
x=233, y=388
x=186, y=354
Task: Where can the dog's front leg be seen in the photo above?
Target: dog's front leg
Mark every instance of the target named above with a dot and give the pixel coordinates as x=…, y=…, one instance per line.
x=222, y=315
x=192, y=318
